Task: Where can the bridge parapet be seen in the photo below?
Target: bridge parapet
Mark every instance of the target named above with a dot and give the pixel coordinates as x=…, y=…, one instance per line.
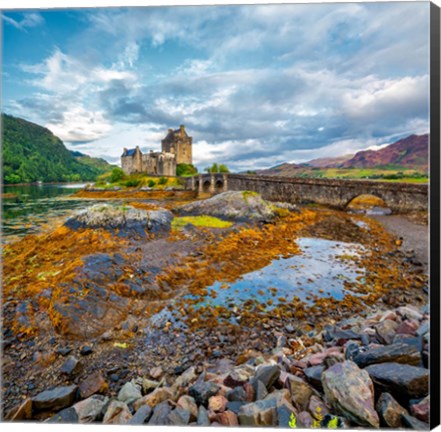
x=399, y=197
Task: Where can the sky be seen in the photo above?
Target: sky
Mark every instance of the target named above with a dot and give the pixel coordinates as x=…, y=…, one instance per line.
x=255, y=86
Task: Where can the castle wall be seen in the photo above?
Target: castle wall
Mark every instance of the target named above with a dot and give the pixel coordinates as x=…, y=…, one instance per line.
x=176, y=148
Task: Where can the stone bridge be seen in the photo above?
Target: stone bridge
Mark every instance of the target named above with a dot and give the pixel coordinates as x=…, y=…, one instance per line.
x=399, y=197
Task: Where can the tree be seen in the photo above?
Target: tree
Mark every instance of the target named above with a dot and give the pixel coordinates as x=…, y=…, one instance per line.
x=117, y=175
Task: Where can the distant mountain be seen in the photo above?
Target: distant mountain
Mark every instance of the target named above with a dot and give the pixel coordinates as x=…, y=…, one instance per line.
x=411, y=152
x=329, y=162
x=284, y=169
x=408, y=153
x=33, y=153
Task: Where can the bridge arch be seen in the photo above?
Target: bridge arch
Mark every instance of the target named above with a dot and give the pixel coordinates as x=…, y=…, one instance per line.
x=219, y=185
x=366, y=200
x=206, y=185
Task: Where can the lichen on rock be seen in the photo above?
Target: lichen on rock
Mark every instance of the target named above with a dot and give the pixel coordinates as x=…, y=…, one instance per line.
x=124, y=220
x=237, y=206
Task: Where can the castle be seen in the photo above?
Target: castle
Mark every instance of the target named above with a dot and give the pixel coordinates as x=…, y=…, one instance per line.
x=176, y=149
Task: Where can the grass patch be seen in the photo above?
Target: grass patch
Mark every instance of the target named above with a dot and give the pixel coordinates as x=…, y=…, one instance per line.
x=200, y=221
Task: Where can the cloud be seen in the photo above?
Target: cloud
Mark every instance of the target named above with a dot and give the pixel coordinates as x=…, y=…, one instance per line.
x=29, y=20
x=254, y=85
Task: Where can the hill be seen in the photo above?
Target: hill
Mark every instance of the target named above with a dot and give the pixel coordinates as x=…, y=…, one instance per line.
x=411, y=153
x=98, y=163
x=33, y=153
x=407, y=154
x=329, y=162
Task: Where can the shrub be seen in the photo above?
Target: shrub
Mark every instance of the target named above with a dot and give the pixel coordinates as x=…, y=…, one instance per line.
x=132, y=183
x=183, y=170
x=116, y=175
x=162, y=180
x=151, y=183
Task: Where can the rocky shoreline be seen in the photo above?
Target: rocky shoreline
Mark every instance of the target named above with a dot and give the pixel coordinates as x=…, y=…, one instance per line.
x=79, y=327
x=369, y=372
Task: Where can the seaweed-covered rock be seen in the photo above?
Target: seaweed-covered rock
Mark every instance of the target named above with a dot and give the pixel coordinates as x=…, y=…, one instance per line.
x=124, y=220
x=241, y=206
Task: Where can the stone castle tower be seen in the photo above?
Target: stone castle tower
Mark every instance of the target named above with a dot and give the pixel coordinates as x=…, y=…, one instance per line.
x=179, y=143
x=176, y=149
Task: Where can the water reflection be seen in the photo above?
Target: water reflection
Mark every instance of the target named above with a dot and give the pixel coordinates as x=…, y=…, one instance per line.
x=25, y=209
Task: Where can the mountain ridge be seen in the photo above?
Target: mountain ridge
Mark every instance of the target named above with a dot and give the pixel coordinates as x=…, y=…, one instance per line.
x=33, y=153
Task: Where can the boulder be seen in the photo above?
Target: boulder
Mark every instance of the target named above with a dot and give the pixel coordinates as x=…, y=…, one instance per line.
x=129, y=393
x=227, y=418
x=141, y=416
x=90, y=409
x=70, y=366
x=421, y=410
x=217, y=403
x=317, y=407
x=238, y=394
x=93, y=383
x=56, y=399
x=21, y=412
x=351, y=392
x=67, y=415
x=203, y=419
x=160, y=414
x=124, y=220
x=188, y=403
x=239, y=376
x=239, y=206
x=202, y=391
x=179, y=417
x=390, y=411
x=260, y=413
x=300, y=391
x=153, y=399
x=413, y=423
x=410, y=313
x=117, y=413
x=385, y=331
x=400, y=380
x=268, y=375
x=305, y=420
x=399, y=353
x=314, y=375
x=186, y=378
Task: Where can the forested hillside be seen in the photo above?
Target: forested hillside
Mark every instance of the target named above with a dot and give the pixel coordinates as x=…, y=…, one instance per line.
x=33, y=153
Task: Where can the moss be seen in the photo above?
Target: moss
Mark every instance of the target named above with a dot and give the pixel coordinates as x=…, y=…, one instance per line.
x=200, y=221
x=247, y=194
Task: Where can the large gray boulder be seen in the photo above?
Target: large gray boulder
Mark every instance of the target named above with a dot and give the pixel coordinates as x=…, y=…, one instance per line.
x=351, y=392
x=238, y=206
x=400, y=379
x=122, y=219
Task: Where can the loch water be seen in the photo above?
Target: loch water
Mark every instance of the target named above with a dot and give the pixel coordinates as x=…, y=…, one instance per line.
x=28, y=208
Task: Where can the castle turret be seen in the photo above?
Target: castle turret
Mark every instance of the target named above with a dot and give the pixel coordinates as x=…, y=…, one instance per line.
x=178, y=142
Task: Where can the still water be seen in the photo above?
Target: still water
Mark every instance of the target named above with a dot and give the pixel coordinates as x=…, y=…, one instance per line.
x=26, y=209
x=318, y=271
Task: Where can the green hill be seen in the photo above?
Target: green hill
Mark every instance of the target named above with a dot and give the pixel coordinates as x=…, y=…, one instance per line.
x=90, y=161
x=33, y=153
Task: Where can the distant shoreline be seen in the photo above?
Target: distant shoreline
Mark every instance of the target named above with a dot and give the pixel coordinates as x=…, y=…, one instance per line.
x=43, y=184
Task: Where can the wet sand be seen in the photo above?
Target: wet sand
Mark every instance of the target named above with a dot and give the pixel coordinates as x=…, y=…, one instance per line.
x=415, y=236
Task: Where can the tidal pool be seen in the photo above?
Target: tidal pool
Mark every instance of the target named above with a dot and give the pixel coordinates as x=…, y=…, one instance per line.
x=318, y=271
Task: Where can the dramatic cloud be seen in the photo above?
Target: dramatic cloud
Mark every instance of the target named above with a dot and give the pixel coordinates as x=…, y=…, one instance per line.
x=254, y=85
